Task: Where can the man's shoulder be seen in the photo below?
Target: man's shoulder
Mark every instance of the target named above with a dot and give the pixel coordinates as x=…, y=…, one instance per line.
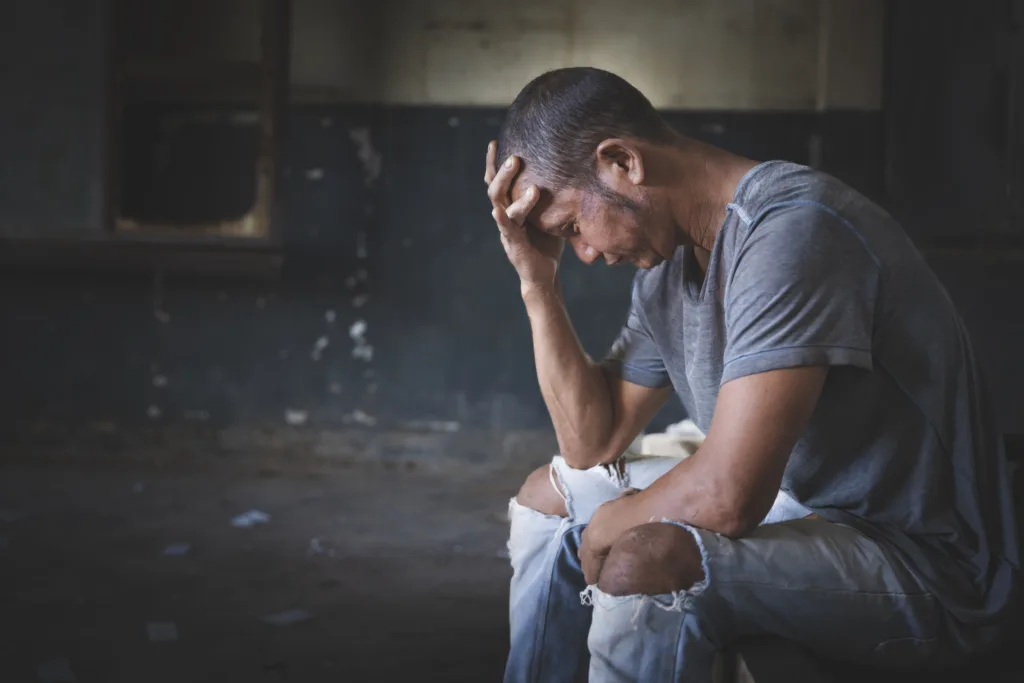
x=775, y=186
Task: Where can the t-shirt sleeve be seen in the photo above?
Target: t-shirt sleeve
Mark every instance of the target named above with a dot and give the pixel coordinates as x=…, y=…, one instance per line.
x=802, y=292
x=634, y=355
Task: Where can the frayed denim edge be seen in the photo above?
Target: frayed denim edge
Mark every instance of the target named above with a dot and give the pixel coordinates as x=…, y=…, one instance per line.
x=677, y=601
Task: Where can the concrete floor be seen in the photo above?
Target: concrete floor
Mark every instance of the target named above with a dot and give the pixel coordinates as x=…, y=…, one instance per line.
x=407, y=579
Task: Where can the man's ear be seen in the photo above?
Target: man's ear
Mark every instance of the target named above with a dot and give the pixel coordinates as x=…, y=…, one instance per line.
x=620, y=163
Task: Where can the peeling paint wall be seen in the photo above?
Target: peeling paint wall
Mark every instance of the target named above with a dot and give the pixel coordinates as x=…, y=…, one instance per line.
x=396, y=302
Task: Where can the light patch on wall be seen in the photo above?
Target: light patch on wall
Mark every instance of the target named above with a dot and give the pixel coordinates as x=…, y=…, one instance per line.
x=318, y=348
x=697, y=54
x=362, y=350
x=368, y=155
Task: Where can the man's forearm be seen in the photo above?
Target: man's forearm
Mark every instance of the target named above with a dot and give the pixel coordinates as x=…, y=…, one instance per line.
x=574, y=387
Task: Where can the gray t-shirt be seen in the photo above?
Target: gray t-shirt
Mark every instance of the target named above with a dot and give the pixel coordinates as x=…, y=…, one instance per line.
x=902, y=444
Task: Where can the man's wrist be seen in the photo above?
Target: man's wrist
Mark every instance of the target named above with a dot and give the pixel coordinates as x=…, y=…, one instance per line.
x=538, y=292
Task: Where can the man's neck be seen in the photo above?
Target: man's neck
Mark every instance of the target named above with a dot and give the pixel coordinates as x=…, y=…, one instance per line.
x=707, y=178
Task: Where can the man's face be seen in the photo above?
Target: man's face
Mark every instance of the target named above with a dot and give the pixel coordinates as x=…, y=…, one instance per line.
x=598, y=227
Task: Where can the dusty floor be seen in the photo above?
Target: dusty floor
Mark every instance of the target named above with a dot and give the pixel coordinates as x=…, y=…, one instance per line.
x=406, y=581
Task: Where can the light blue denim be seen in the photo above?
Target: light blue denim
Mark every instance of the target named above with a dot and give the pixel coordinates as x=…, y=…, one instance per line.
x=823, y=585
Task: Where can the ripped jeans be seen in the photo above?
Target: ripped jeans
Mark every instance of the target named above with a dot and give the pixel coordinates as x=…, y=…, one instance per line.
x=824, y=585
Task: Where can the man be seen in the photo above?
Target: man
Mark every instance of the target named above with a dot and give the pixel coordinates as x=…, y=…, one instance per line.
x=809, y=341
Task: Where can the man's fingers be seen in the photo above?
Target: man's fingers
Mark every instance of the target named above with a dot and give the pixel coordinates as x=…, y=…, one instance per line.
x=500, y=185
x=521, y=208
x=489, y=170
x=510, y=230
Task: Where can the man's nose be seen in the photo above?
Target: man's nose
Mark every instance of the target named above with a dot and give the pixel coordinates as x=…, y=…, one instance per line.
x=584, y=251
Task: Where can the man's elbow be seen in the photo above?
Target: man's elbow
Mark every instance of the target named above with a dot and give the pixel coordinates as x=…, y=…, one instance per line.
x=736, y=526
x=585, y=457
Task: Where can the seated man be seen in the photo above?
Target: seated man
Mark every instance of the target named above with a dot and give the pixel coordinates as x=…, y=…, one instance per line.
x=810, y=342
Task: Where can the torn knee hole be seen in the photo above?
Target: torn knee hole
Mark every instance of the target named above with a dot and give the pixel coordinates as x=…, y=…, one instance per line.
x=652, y=559
x=539, y=493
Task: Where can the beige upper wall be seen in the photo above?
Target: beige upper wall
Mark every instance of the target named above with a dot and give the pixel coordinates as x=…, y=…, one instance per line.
x=683, y=54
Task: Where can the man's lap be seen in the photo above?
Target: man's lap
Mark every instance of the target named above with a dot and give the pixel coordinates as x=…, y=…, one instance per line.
x=825, y=585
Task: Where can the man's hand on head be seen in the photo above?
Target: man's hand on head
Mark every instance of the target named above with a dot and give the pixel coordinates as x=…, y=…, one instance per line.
x=534, y=254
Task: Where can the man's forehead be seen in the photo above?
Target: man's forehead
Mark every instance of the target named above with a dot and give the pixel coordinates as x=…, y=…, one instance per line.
x=554, y=208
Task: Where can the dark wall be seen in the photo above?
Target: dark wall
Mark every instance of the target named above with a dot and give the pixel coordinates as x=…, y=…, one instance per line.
x=954, y=118
x=386, y=222
x=53, y=118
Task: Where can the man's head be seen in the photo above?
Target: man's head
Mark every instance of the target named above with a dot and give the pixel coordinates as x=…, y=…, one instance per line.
x=586, y=138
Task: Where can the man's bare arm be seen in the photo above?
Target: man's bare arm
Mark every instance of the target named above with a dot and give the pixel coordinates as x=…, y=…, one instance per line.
x=595, y=413
x=729, y=485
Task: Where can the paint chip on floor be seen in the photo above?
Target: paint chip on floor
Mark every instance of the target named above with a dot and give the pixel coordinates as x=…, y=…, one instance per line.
x=250, y=518
x=292, y=616
x=56, y=669
x=162, y=631
x=316, y=547
x=177, y=549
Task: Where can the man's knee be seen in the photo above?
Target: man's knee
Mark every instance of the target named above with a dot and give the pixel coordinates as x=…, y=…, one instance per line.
x=652, y=559
x=538, y=493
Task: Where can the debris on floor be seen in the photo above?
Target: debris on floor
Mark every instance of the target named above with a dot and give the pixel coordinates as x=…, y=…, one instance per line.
x=359, y=417
x=56, y=669
x=177, y=549
x=250, y=518
x=449, y=426
x=295, y=418
x=316, y=547
x=162, y=631
x=292, y=616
